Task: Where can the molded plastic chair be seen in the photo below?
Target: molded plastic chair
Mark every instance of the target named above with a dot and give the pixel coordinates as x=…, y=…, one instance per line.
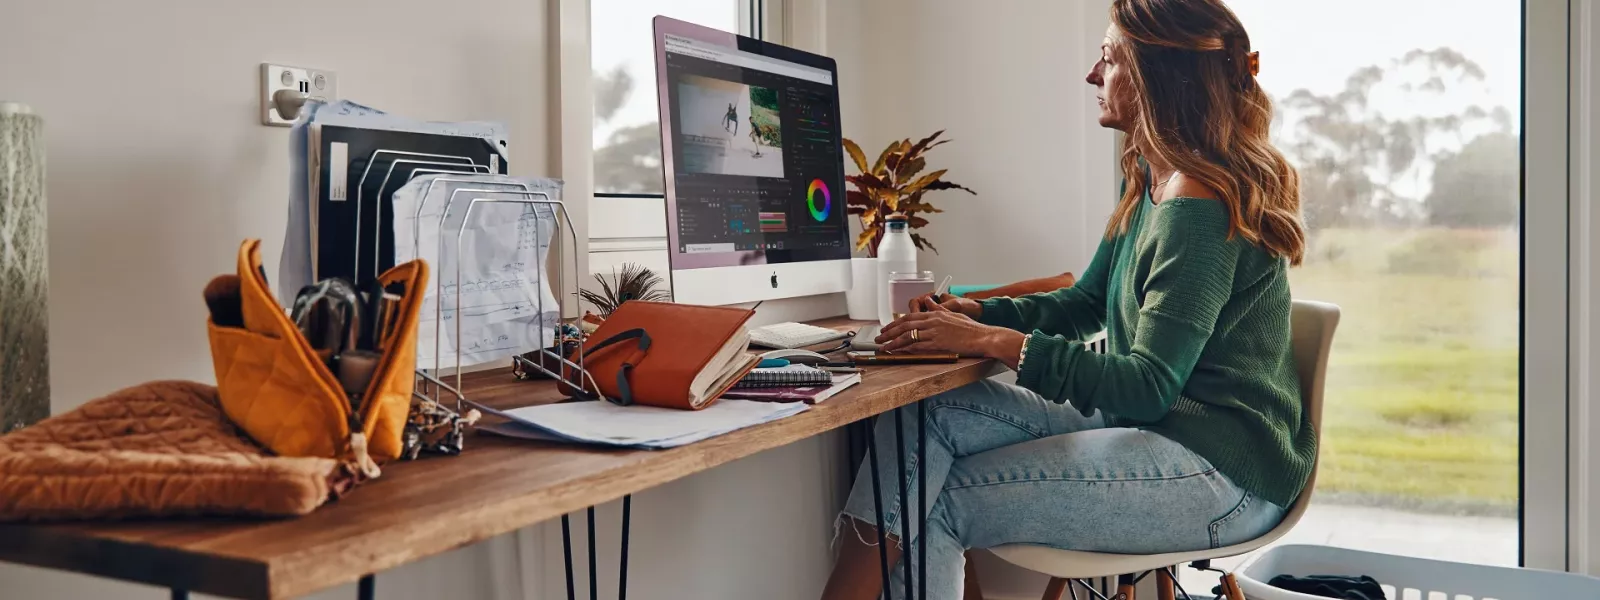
x=1312, y=325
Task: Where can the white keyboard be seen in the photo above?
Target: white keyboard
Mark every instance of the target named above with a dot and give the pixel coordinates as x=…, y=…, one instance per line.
x=793, y=335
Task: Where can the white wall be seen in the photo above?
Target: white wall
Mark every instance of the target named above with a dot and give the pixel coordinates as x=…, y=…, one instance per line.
x=158, y=168
x=1005, y=80
x=157, y=159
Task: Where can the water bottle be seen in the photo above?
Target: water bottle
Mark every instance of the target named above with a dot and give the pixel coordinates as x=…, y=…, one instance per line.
x=896, y=254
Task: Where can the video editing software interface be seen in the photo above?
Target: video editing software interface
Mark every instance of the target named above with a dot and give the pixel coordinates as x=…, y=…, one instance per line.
x=756, y=155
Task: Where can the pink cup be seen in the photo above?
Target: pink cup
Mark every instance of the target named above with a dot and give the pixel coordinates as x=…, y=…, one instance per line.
x=907, y=286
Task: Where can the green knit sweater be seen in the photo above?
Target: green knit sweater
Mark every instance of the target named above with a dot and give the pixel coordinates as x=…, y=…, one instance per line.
x=1197, y=329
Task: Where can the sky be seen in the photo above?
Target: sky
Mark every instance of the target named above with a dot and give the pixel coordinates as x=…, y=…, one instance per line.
x=1316, y=44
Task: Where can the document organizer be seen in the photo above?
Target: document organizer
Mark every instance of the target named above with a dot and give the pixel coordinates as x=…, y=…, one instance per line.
x=468, y=198
x=354, y=172
x=353, y=220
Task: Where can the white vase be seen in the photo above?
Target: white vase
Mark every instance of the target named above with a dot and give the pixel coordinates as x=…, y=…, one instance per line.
x=862, y=298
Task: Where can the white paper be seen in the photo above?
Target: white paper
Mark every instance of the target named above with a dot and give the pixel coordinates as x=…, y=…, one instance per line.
x=504, y=301
x=294, y=265
x=605, y=423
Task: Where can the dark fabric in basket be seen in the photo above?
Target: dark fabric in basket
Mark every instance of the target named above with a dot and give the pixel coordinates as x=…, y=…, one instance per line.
x=1331, y=586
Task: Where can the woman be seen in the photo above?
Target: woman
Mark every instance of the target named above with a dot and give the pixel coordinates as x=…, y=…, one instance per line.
x=1188, y=432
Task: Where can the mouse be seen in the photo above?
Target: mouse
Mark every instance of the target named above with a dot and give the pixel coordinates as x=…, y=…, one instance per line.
x=796, y=356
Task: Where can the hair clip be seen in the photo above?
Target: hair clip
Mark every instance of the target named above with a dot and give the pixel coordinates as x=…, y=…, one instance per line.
x=1255, y=63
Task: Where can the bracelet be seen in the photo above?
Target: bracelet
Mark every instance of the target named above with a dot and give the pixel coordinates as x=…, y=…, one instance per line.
x=1024, y=353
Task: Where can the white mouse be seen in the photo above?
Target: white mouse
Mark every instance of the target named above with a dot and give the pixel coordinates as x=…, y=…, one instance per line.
x=796, y=356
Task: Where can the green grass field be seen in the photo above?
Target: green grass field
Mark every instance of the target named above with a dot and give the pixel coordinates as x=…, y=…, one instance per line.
x=1422, y=391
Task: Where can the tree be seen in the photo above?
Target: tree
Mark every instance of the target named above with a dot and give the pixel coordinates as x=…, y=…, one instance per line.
x=1361, y=166
x=764, y=97
x=1477, y=186
x=630, y=160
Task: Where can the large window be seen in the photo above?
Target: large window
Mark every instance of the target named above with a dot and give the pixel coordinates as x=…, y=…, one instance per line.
x=627, y=142
x=1406, y=137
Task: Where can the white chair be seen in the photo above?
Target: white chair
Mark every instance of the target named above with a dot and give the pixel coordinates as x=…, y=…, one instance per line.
x=1312, y=325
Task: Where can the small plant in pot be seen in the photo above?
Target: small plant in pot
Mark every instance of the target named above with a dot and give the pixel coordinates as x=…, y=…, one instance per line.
x=895, y=184
x=634, y=282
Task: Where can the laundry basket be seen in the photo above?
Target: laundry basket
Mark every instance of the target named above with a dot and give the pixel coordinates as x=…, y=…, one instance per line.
x=1406, y=578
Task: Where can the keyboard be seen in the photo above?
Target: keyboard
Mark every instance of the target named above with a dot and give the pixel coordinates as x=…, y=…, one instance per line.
x=793, y=335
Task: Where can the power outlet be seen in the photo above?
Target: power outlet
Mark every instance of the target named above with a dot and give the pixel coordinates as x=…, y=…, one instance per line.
x=318, y=85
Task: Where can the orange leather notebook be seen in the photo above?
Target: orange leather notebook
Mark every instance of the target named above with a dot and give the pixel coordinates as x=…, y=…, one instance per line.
x=669, y=355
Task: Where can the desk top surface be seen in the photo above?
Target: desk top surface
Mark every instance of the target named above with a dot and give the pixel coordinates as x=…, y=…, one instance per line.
x=425, y=507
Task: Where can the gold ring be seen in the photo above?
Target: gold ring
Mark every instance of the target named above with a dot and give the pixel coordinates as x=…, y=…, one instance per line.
x=913, y=335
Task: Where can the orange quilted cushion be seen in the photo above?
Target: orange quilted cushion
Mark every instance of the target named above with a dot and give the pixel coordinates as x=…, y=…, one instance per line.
x=158, y=449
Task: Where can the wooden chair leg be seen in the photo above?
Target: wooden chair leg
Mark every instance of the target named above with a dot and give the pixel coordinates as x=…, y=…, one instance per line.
x=1230, y=587
x=972, y=591
x=1056, y=589
x=1165, y=586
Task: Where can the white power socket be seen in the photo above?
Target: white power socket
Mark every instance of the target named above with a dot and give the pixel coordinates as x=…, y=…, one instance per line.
x=317, y=85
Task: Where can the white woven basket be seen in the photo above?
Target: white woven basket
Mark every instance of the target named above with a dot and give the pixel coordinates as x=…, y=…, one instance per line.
x=1407, y=578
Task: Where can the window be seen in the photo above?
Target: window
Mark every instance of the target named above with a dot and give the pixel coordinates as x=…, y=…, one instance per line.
x=1407, y=141
x=627, y=141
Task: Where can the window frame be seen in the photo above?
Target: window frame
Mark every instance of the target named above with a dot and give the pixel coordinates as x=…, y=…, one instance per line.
x=1545, y=389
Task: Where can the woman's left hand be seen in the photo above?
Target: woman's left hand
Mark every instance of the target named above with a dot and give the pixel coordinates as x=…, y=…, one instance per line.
x=938, y=329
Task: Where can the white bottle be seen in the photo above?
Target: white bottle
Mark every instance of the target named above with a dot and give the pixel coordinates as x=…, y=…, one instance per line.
x=896, y=254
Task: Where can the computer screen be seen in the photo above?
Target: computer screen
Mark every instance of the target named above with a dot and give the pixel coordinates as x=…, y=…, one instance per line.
x=752, y=152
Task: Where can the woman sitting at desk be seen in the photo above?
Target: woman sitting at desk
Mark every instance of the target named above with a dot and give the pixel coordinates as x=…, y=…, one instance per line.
x=1188, y=433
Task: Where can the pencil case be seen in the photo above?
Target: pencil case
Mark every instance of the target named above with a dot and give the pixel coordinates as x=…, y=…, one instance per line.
x=275, y=387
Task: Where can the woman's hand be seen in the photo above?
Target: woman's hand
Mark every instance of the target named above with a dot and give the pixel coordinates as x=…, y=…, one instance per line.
x=939, y=329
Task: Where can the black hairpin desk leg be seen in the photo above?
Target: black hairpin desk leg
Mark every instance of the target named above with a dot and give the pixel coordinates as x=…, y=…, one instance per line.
x=366, y=589
x=922, y=500
x=566, y=545
x=877, y=505
x=594, y=574
x=905, y=505
x=627, y=513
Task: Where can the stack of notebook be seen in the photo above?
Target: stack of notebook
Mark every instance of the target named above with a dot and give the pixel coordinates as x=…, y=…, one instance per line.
x=793, y=383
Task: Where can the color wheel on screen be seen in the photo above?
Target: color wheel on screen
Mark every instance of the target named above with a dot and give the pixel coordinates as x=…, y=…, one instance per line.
x=811, y=200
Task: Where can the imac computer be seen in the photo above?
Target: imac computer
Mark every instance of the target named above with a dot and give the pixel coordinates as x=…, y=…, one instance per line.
x=754, y=167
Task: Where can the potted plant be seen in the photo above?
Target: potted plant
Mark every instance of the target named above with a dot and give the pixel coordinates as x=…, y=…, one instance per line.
x=635, y=282
x=893, y=185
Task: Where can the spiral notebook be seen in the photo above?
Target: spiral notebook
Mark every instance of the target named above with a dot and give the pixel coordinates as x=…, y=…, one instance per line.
x=786, y=376
x=809, y=394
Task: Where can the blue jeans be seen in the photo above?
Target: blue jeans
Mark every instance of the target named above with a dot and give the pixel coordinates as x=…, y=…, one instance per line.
x=1011, y=467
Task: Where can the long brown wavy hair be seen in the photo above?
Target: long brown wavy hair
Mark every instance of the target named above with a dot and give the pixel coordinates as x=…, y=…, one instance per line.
x=1200, y=110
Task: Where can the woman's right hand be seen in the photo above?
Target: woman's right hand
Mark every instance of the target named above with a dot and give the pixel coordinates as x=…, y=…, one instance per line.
x=952, y=303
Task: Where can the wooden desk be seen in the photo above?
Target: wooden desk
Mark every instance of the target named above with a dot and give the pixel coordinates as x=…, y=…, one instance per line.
x=425, y=507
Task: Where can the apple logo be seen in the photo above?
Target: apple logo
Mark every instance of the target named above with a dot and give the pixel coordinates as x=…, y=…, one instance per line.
x=774, y=280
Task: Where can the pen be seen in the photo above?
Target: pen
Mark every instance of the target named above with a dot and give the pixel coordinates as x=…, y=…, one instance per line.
x=938, y=292
x=840, y=369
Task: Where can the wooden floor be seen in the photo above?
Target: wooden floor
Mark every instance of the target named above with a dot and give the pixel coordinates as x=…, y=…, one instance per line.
x=425, y=507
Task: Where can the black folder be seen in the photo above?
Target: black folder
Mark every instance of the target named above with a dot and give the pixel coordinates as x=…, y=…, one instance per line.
x=356, y=172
